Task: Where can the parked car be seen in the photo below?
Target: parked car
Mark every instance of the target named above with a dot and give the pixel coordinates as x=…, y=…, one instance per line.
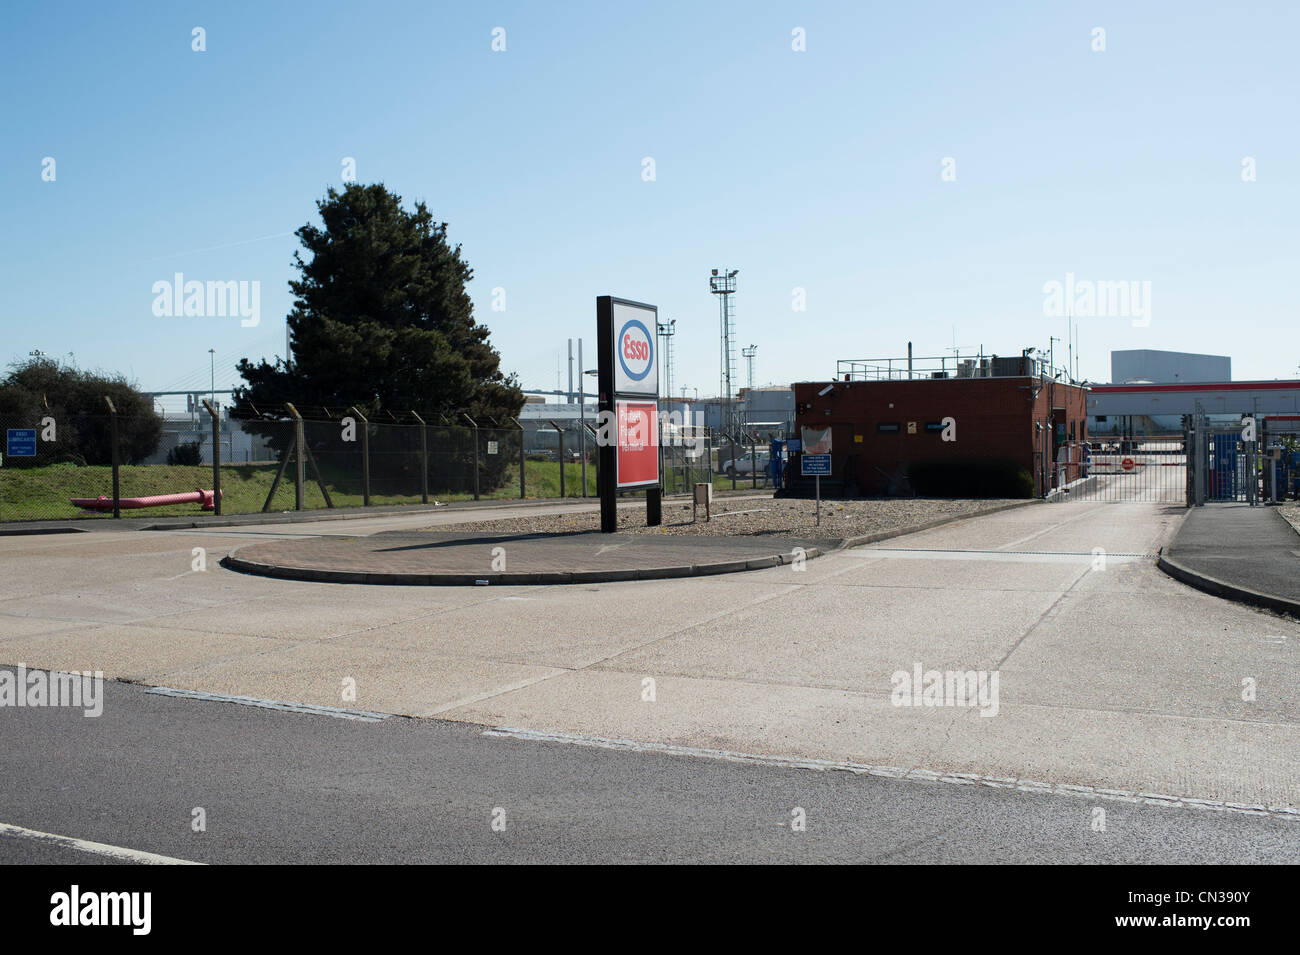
x=745, y=464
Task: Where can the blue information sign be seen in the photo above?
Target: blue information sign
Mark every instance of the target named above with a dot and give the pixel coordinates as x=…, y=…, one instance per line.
x=814, y=464
x=21, y=442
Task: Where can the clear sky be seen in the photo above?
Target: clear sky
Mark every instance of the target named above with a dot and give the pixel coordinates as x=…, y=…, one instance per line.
x=819, y=169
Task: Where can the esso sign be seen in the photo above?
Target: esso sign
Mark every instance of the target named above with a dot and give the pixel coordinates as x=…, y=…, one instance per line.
x=629, y=347
x=635, y=350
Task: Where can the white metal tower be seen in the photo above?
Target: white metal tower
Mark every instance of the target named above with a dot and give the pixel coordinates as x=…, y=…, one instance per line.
x=723, y=284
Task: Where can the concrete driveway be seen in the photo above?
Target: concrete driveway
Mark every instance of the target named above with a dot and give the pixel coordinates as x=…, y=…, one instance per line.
x=1109, y=674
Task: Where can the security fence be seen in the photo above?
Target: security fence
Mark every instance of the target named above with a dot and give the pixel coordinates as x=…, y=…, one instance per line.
x=1254, y=460
x=58, y=467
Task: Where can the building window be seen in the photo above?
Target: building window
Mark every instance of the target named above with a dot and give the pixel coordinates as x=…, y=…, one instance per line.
x=888, y=427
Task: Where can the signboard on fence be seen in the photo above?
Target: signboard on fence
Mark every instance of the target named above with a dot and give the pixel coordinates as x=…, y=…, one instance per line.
x=21, y=442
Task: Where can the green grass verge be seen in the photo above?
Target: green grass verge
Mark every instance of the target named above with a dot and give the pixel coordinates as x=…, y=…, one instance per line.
x=29, y=494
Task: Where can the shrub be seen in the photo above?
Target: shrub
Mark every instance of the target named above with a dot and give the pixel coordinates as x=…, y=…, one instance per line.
x=187, y=452
x=979, y=478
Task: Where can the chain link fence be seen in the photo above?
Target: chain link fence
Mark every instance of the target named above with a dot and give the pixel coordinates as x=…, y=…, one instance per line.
x=96, y=466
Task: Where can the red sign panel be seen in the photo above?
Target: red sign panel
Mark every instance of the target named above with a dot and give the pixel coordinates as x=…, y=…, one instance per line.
x=638, y=443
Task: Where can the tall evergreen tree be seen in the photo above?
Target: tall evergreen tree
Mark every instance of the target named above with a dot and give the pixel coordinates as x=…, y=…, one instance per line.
x=381, y=319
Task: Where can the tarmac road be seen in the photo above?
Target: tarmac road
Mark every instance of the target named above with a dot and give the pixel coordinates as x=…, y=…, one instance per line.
x=290, y=787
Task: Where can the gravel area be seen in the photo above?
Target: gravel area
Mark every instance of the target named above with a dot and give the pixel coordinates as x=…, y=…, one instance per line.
x=1292, y=513
x=753, y=518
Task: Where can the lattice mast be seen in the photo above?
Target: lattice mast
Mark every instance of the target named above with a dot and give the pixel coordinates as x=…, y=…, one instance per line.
x=723, y=284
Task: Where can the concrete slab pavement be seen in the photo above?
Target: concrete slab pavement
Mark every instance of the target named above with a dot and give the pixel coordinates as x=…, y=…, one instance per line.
x=1111, y=674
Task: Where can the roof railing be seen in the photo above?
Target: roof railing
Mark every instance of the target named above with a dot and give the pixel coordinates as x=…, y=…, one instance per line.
x=925, y=368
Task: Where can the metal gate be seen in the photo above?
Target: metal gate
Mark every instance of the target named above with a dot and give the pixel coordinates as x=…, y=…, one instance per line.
x=1123, y=468
x=1254, y=461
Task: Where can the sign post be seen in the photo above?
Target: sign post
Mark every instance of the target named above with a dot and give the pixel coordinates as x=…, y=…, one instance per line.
x=816, y=459
x=628, y=387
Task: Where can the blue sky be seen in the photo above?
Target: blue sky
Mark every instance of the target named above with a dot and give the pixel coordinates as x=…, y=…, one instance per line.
x=818, y=170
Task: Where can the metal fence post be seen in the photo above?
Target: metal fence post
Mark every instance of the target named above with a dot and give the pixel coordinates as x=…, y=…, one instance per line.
x=365, y=456
x=475, y=425
x=112, y=436
x=521, y=457
x=216, y=457
x=560, y=432
x=424, y=459
x=299, y=463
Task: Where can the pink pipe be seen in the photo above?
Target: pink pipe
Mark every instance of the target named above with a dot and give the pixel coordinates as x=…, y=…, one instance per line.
x=101, y=503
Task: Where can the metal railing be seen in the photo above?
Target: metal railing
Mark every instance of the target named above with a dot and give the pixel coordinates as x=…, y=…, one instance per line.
x=923, y=368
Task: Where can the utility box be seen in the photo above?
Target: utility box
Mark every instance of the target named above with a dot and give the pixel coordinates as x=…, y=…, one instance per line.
x=703, y=499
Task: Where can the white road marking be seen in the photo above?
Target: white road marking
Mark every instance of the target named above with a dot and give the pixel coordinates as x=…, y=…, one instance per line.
x=994, y=556
x=364, y=716
x=896, y=772
x=120, y=853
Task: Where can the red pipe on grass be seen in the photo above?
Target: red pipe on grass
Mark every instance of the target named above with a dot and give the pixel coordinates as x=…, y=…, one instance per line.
x=203, y=498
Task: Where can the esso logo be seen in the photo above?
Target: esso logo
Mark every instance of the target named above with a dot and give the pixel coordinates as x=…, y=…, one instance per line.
x=635, y=350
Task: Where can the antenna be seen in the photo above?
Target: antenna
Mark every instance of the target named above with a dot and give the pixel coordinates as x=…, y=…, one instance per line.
x=1069, y=338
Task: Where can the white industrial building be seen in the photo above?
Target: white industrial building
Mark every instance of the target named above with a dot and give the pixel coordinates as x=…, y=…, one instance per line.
x=1151, y=390
x=1146, y=364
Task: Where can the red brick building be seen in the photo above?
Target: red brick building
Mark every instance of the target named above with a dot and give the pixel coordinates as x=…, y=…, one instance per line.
x=963, y=432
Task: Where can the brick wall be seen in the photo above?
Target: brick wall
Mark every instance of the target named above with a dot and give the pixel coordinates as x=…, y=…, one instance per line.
x=994, y=417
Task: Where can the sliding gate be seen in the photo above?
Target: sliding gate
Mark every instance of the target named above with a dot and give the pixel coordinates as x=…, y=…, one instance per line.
x=1132, y=468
